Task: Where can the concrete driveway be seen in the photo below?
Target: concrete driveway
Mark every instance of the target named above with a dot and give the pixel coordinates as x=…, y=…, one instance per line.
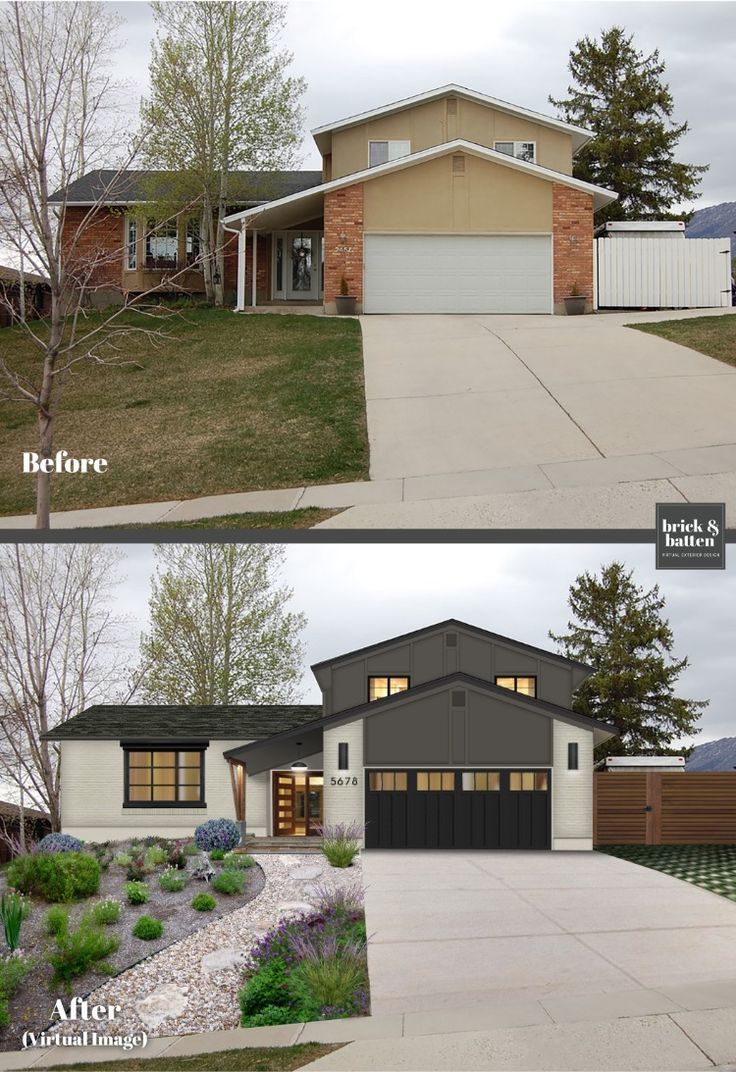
x=559, y=412
x=563, y=935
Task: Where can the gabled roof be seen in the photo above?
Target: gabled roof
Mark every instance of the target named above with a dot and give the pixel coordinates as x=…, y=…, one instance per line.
x=452, y=623
x=115, y=722
x=308, y=203
x=132, y=187
x=604, y=730
x=580, y=136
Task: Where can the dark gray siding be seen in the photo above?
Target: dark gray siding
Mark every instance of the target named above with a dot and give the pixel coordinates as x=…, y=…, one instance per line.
x=429, y=657
x=457, y=727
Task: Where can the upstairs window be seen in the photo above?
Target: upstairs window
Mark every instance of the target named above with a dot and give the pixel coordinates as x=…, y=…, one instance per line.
x=380, y=687
x=522, y=150
x=526, y=685
x=162, y=245
x=380, y=152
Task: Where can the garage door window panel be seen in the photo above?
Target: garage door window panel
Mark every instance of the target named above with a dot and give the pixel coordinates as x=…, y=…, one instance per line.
x=482, y=781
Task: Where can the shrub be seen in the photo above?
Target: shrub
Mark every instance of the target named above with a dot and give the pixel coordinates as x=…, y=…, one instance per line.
x=137, y=869
x=237, y=861
x=328, y=982
x=62, y=876
x=217, y=834
x=177, y=858
x=12, y=973
x=154, y=857
x=56, y=920
x=217, y=854
x=268, y=987
x=106, y=912
x=123, y=859
x=271, y=1015
x=13, y=910
x=341, y=842
x=148, y=929
x=190, y=849
x=203, y=902
x=171, y=881
x=136, y=892
x=228, y=882
x=344, y=900
x=77, y=950
x=58, y=843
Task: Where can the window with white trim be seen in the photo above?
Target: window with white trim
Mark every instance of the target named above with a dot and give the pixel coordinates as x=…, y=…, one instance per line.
x=131, y=260
x=522, y=150
x=381, y=152
x=162, y=245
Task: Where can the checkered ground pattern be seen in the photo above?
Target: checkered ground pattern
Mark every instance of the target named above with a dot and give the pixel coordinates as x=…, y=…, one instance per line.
x=711, y=866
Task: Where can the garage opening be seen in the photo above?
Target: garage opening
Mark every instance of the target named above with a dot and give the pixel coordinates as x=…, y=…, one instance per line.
x=457, y=274
x=458, y=809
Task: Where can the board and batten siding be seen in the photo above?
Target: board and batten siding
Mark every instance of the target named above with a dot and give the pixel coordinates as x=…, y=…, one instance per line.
x=344, y=803
x=92, y=794
x=572, y=791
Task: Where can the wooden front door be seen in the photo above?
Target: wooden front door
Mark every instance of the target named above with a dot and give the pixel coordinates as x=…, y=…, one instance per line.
x=297, y=803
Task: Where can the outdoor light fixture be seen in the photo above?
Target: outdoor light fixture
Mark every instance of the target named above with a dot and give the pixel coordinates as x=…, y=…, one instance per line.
x=298, y=764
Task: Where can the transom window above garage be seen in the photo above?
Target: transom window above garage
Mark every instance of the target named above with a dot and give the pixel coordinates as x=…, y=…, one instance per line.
x=436, y=781
x=387, y=781
x=522, y=150
x=524, y=781
x=525, y=685
x=380, y=152
x=381, y=686
x=482, y=781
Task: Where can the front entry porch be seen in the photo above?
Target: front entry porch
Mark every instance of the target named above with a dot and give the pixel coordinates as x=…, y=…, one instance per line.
x=282, y=268
x=297, y=803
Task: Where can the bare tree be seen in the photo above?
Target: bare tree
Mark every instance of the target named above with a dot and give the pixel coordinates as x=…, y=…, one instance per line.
x=59, y=653
x=61, y=117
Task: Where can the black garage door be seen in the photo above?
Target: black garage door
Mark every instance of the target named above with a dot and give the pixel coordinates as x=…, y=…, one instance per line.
x=457, y=809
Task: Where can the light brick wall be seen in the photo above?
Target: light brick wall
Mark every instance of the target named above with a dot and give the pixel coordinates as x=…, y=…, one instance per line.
x=572, y=791
x=92, y=795
x=258, y=803
x=343, y=213
x=344, y=803
x=572, y=229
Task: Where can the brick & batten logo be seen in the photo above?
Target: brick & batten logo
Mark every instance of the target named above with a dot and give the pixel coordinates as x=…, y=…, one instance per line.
x=691, y=535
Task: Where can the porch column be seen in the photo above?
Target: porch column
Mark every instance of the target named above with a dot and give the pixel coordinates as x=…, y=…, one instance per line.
x=254, y=280
x=240, y=305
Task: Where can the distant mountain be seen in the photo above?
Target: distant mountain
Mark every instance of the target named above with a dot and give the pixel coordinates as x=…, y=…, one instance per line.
x=718, y=221
x=713, y=755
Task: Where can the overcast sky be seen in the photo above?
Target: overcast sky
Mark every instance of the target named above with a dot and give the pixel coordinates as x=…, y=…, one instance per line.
x=356, y=57
x=361, y=594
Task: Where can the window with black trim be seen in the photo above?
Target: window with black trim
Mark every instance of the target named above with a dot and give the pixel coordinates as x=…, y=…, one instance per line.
x=526, y=781
x=342, y=756
x=387, y=781
x=163, y=777
x=572, y=755
x=527, y=686
x=380, y=687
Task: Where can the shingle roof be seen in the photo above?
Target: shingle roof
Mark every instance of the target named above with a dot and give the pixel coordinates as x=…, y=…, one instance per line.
x=12, y=275
x=252, y=722
x=128, y=187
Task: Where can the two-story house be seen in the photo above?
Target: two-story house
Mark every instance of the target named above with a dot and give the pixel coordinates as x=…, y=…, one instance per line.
x=447, y=737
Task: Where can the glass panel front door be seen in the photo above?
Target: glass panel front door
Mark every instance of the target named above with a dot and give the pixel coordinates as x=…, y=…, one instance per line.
x=301, y=278
x=297, y=803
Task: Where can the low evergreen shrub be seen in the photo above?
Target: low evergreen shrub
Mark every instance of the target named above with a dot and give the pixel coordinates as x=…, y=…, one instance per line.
x=136, y=892
x=12, y=973
x=229, y=882
x=56, y=920
x=148, y=929
x=217, y=854
x=237, y=861
x=203, y=902
x=217, y=834
x=172, y=881
x=106, y=912
x=58, y=843
x=77, y=950
x=154, y=857
x=60, y=876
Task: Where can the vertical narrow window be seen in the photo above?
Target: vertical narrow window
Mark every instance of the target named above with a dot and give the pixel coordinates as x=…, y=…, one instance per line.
x=572, y=756
x=342, y=756
x=132, y=242
x=279, y=264
x=192, y=242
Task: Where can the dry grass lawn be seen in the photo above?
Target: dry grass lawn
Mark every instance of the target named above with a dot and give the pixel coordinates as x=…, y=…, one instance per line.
x=228, y=403
x=711, y=335
x=257, y=1059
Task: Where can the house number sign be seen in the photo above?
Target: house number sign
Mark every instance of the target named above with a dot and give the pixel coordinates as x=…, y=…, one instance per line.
x=347, y=780
x=344, y=249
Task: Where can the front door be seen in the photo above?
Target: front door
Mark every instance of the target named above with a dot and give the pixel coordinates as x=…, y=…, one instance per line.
x=302, y=266
x=297, y=803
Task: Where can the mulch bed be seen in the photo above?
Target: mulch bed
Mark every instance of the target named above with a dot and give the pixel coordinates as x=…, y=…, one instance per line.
x=32, y=1007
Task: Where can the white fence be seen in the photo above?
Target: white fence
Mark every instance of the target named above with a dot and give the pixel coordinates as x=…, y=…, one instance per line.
x=658, y=273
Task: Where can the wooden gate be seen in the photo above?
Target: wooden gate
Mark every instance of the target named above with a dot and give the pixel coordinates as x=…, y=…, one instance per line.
x=663, y=273
x=636, y=808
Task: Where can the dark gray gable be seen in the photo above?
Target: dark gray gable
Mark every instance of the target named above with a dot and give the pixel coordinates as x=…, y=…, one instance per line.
x=129, y=187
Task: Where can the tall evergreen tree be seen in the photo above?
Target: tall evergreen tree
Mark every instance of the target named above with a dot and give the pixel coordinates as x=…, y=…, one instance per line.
x=618, y=93
x=618, y=628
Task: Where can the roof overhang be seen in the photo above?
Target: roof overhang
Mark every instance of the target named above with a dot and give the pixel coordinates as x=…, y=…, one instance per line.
x=296, y=208
x=580, y=137
x=278, y=751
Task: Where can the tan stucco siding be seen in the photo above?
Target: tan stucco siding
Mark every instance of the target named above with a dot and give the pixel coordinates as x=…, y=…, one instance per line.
x=429, y=124
x=92, y=794
x=572, y=791
x=428, y=198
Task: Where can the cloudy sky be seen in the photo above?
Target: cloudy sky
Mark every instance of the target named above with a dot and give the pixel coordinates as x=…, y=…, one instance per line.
x=360, y=594
x=355, y=58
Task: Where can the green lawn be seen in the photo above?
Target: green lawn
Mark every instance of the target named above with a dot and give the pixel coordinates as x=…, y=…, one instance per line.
x=257, y=1059
x=228, y=403
x=711, y=866
x=287, y=519
x=712, y=335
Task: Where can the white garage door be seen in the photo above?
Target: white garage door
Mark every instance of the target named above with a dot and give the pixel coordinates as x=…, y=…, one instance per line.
x=457, y=274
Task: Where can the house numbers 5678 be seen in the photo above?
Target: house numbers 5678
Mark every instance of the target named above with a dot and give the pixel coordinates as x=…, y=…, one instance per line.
x=344, y=781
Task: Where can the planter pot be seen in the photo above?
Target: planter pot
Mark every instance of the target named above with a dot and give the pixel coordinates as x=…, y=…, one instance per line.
x=345, y=305
x=575, y=306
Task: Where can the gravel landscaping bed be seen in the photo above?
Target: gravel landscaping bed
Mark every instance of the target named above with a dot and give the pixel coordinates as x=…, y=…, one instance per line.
x=193, y=985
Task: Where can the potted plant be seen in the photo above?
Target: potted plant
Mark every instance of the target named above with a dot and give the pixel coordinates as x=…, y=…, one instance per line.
x=344, y=301
x=575, y=302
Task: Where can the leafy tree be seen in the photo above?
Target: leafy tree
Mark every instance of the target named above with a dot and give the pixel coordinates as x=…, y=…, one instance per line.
x=220, y=629
x=618, y=93
x=618, y=629
x=220, y=101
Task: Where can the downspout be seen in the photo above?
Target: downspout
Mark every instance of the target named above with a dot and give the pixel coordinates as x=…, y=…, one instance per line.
x=240, y=232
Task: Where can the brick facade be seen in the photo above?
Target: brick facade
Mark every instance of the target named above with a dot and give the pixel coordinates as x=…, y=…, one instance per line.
x=99, y=247
x=572, y=239
x=344, y=243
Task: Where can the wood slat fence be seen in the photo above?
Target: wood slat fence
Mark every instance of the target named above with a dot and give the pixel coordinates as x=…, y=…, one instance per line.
x=638, y=808
x=663, y=273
